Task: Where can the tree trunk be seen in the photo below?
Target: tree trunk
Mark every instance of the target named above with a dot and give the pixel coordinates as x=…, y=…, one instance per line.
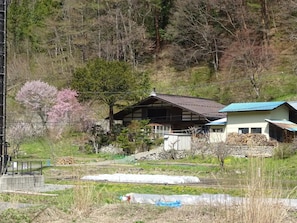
x=111, y=118
x=95, y=145
x=117, y=35
x=255, y=85
x=265, y=21
x=158, y=38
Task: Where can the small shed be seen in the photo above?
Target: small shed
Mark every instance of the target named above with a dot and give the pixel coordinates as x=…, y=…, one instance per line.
x=177, y=141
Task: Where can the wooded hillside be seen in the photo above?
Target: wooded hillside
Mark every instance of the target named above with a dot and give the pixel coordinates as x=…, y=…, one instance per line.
x=227, y=50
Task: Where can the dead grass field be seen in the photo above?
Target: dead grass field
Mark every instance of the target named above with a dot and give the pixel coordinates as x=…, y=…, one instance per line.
x=139, y=213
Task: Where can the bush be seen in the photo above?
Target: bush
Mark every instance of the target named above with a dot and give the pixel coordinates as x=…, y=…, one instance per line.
x=135, y=137
x=285, y=150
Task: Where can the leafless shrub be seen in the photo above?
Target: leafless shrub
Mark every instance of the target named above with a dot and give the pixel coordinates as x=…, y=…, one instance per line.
x=221, y=151
x=199, y=146
x=172, y=152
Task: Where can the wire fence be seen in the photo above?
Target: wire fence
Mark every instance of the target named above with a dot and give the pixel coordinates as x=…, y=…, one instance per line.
x=24, y=168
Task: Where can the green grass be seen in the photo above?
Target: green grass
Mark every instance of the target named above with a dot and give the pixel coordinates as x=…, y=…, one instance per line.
x=200, y=170
x=116, y=190
x=46, y=149
x=43, y=148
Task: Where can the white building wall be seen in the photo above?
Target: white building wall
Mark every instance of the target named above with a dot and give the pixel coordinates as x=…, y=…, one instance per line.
x=215, y=137
x=177, y=141
x=280, y=113
x=254, y=119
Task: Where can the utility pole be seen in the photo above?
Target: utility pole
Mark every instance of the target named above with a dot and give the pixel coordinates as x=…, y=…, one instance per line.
x=3, y=83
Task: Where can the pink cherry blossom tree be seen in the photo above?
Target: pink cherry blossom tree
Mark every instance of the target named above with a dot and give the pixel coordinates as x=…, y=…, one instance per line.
x=67, y=112
x=39, y=97
x=65, y=107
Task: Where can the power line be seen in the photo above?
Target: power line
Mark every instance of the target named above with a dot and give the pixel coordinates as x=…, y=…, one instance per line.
x=198, y=85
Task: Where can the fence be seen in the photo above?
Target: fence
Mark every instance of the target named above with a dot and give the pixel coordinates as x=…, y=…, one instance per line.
x=24, y=168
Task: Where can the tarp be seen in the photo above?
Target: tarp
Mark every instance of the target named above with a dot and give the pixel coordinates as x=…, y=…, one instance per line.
x=184, y=199
x=203, y=199
x=143, y=178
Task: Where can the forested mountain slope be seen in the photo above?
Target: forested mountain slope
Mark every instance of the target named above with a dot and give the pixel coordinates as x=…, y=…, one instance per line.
x=227, y=50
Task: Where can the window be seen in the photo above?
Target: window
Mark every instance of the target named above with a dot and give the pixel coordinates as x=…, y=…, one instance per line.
x=156, y=114
x=256, y=130
x=160, y=130
x=243, y=130
x=217, y=129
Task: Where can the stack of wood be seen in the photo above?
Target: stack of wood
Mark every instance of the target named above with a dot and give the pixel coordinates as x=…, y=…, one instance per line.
x=247, y=139
x=65, y=161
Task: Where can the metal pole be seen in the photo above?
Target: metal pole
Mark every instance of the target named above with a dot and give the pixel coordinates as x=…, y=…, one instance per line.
x=3, y=83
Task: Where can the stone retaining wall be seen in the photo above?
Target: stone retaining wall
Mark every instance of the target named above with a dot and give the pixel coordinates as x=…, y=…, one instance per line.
x=236, y=151
x=255, y=151
x=205, y=149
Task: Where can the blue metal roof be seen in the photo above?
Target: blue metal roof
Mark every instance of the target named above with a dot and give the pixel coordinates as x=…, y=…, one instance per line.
x=252, y=106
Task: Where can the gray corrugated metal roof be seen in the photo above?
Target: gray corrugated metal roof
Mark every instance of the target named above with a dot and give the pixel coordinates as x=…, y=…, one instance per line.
x=202, y=106
x=252, y=106
x=284, y=124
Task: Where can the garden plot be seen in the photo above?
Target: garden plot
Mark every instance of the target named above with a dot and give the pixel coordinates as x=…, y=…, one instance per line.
x=143, y=178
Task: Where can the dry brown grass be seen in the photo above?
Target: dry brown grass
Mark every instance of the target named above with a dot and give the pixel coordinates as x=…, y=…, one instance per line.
x=132, y=213
x=83, y=196
x=262, y=202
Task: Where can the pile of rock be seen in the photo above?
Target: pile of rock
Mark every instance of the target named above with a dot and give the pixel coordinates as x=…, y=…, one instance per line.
x=160, y=154
x=111, y=149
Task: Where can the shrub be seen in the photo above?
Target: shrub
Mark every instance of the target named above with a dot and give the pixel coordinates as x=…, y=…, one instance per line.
x=135, y=137
x=285, y=150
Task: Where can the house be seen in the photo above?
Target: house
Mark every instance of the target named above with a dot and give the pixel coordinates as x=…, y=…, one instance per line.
x=172, y=113
x=275, y=120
